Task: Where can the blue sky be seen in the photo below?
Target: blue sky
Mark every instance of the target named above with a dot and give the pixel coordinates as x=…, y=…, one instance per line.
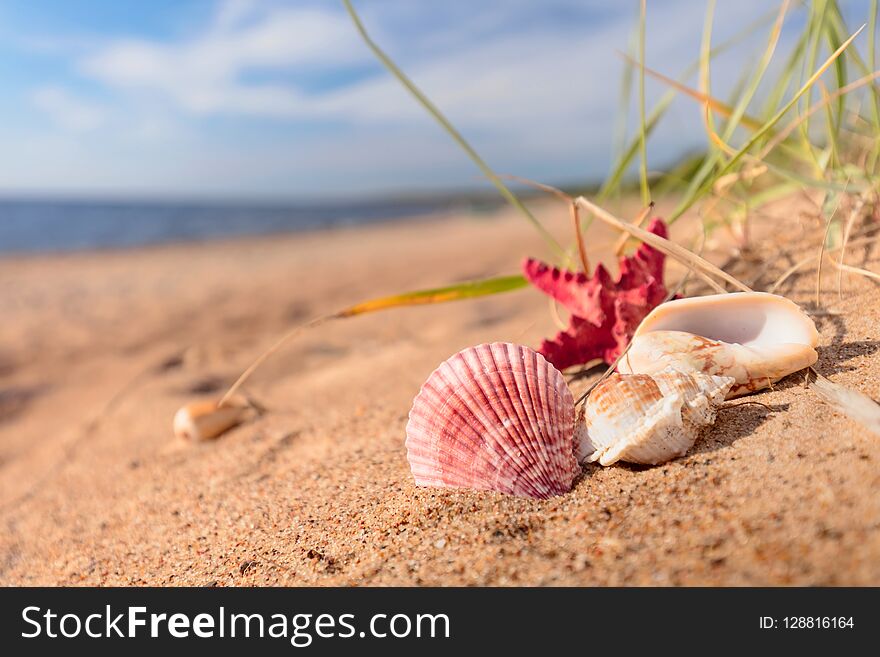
x=239, y=98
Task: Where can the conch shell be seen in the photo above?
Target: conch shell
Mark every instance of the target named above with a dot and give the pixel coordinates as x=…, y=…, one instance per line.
x=754, y=337
x=494, y=417
x=648, y=419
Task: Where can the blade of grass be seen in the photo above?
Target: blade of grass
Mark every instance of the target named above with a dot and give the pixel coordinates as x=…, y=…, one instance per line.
x=723, y=109
x=706, y=186
x=643, y=214
x=717, y=106
x=458, y=292
x=741, y=106
x=712, y=157
x=852, y=403
x=612, y=182
x=850, y=222
x=746, y=174
x=755, y=200
x=643, y=139
x=822, y=250
x=705, y=68
x=867, y=273
x=835, y=18
x=872, y=63
x=834, y=40
x=783, y=82
x=619, y=168
x=573, y=211
x=832, y=126
x=450, y=129
x=677, y=178
x=620, y=119
x=783, y=134
x=795, y=268
x=701, y=267
x=807, y=181
x=723, y=191
x=750, y=91
x=815, y=28
x=579, y=236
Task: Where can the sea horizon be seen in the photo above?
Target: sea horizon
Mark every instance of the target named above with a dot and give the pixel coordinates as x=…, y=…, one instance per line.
x=33, y=225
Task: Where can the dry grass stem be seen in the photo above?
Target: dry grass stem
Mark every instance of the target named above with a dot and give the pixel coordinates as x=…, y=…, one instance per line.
x=705, y=270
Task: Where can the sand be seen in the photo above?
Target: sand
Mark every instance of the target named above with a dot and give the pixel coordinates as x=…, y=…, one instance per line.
x=97, y=351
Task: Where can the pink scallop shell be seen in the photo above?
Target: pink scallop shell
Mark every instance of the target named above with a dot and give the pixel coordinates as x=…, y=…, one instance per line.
x=494, y=417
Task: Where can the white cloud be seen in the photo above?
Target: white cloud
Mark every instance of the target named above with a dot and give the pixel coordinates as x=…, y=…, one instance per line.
x=542, y=73
x=537, y=98
x=232, y=12
x=204, y=74
x=68, y=111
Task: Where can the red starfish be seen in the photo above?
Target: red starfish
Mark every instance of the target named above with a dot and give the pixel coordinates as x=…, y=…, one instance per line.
x=604, y=312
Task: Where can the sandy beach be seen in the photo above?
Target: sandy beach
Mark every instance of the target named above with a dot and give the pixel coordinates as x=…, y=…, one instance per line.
x=98, y=349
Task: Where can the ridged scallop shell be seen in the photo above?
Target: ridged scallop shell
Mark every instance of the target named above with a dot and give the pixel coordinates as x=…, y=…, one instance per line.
x=494, y=417
x=648, y=419
x=754, y=337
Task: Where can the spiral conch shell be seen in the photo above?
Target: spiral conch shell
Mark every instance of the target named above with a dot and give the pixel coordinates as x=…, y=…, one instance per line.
x=648, y=419
x=754, y=337
x=494, y=417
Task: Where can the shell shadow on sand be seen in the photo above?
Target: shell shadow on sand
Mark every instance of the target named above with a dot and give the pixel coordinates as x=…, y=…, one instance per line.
x=14, y=401
x=833, y=358
x=731, y=426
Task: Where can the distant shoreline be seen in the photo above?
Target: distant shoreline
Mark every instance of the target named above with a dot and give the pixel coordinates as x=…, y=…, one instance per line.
x=32, y=228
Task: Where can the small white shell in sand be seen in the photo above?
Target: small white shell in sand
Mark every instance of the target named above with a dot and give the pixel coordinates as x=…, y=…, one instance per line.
x=204, y=420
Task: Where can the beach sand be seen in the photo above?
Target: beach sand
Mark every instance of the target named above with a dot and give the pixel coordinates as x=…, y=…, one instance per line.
x=97, y=351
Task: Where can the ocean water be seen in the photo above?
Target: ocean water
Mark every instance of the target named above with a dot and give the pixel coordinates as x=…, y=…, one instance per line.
x=31, y=226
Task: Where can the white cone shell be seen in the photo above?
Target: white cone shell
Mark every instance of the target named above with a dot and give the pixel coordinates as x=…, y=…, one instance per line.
x=754, y=337
x=494, y=417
